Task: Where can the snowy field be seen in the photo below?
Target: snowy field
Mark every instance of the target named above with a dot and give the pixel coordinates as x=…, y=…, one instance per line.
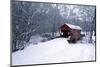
x=54, y=51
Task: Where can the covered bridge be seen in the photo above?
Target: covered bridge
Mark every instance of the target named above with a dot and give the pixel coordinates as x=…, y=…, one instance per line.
x=71, y=30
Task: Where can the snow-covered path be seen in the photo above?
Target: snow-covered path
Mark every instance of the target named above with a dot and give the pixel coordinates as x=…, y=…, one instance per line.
x=54, y=51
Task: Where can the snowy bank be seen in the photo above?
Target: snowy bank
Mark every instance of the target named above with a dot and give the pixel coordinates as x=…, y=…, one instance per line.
x=54, y=51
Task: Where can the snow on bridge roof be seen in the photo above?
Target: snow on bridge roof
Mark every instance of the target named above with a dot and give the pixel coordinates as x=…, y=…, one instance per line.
x=74, y=26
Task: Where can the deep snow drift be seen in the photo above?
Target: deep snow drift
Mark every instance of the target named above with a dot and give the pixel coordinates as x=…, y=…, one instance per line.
x=54, y=51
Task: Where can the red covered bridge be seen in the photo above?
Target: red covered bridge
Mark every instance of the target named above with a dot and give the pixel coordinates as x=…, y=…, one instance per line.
x=71, y=30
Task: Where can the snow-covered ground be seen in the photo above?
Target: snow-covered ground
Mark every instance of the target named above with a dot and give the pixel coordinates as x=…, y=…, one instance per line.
x=54, y=51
